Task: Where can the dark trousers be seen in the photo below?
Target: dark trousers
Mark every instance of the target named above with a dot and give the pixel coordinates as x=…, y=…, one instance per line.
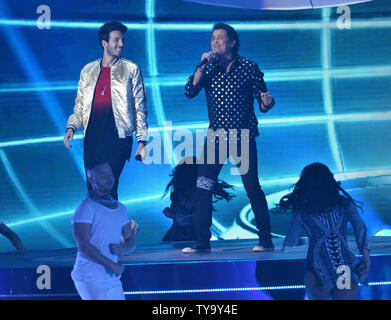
x=208, y=173
x=115, y=155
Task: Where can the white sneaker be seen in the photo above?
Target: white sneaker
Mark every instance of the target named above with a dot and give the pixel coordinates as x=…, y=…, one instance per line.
x=260, y=248
x=189, y=250
x=195, y=249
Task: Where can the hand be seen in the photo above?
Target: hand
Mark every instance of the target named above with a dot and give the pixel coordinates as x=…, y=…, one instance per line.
x=68, y=135
x=117, y=268
x=300, y=242
x=115, y=248
x=135, y=228
x=367, y=260
x=267, y=99
x=141, y=153
x=167, y=212
x=210, y=56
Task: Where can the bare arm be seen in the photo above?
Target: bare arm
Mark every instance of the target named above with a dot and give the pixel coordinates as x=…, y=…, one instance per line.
x=359, y=227
x=82, y=235
x=12, y=236
x=129, y=232
x=361, y=234
x=293, y=233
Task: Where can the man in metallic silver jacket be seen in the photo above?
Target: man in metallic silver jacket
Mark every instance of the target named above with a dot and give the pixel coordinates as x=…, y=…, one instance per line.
x=110, y=105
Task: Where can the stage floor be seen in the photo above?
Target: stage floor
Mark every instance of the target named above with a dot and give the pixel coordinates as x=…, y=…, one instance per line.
x=231, y=271
x=169, y=253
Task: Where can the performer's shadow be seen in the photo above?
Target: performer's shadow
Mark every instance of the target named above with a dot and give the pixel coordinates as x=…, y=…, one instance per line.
x=280, y=277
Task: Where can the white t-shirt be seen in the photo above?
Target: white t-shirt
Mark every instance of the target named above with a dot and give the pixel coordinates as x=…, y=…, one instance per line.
x=106, y=228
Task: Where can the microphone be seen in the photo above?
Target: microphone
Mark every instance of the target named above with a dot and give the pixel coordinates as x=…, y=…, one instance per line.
x=205, y=60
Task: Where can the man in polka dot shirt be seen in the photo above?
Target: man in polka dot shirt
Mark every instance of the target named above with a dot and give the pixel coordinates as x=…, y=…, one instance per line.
x=230, y=82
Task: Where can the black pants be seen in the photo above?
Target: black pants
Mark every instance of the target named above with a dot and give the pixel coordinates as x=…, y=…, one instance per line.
x=115, y=154
x=208, y=174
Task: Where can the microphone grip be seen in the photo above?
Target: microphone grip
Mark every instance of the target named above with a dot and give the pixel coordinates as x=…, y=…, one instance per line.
x=204, y=61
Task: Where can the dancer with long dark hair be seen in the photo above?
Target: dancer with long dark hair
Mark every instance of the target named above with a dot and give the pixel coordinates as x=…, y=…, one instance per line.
x=182, y=188
x=323, y=208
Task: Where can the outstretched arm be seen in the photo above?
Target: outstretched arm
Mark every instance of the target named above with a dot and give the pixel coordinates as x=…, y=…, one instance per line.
x=12, y=236
x=293, y=233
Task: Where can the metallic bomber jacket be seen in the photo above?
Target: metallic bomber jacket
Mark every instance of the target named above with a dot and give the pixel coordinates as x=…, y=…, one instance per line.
x=128, y=97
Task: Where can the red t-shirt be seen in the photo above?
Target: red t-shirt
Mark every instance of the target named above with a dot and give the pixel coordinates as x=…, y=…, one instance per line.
x=102, y=97
x=101, y=132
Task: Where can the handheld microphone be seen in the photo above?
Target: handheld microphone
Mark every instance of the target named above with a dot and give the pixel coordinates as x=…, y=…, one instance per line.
x=205, y=60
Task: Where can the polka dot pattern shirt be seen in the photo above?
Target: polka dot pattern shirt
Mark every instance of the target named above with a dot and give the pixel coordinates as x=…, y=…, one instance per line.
x=230, y=95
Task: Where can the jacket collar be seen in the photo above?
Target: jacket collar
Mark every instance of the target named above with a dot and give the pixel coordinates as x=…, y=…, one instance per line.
x=114, y=65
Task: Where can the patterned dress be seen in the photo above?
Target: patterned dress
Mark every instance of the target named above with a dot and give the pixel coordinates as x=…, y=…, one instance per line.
x=328, y=248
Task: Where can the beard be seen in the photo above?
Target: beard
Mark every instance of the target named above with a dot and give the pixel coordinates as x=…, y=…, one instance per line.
x=114, y=53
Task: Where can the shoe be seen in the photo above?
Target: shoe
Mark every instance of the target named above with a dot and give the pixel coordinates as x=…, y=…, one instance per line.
x=197, y=248
x=263, y=247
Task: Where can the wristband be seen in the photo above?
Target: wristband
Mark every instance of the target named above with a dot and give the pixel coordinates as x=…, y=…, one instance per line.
x=201, y=69
x=143, y=142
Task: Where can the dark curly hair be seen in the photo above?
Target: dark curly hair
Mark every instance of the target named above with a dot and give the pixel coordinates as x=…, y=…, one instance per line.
x=104, y=31
x=184, y=178
x=315, y=192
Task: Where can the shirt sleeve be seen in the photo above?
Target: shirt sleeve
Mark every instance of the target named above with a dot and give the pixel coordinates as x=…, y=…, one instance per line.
x=293, y=233
x=259, y=85
x=359, y=227
x=190, y=90
x=75, y=120
x=139, y=95
x=83, y=214
x=125, y=217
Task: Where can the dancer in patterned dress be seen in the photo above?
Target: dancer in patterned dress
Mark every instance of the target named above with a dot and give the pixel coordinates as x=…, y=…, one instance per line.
x=323, y=208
